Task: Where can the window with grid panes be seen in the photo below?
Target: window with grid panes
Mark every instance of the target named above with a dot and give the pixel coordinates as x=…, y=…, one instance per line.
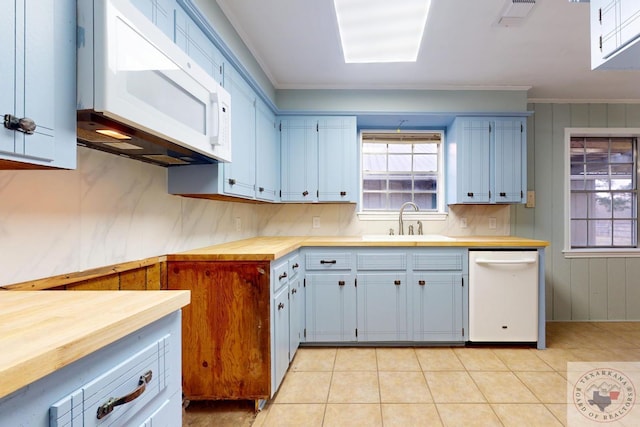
x=604, y=197
x=399, y=168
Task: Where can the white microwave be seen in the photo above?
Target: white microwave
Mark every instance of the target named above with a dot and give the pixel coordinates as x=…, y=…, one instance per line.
x=141, y=96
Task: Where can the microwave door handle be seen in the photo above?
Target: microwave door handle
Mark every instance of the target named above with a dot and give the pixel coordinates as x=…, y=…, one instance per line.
x=214, y=118
x=505, y=261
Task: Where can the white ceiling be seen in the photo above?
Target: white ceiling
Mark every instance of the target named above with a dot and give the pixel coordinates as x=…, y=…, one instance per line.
x=297, y=44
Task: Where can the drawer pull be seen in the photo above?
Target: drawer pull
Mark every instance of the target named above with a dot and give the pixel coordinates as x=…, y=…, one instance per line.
x=502, y=194
x=324, y=261
x=305, y=193
x=282, y=276
x=107, y=407
x=343, y=193
x=421, y=282
x=280, y=306
x=341, y=283
x=469, y=194
x=396, y=282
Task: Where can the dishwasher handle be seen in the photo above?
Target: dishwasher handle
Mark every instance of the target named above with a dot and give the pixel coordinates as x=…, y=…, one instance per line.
x=505, y=261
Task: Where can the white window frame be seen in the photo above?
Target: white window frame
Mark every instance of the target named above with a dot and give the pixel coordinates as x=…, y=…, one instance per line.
x=439, y=215
x=568, y=251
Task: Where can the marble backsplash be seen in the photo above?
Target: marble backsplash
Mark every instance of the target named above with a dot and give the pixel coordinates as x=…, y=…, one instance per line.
x=112, y=210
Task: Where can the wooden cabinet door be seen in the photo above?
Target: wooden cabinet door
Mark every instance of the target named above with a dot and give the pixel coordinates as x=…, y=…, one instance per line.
x=330, y=307
x=299, y=151
x=282, y=311
x=437, y=307
x=510, y=161
x=267, y=154
x=382, y=307
x=240, y=174
x=225, y=330
x=474, y=143
x=337, y=159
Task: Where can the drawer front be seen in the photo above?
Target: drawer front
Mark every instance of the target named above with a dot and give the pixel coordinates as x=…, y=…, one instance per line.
x=438, y=261
x=80, y=408
x=382, y=261
x=294, y=266
x=328, y=261
x=280, y=274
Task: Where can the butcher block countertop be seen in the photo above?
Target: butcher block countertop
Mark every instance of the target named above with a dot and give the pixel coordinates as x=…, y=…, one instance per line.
x=271, y=248
x=43, y=331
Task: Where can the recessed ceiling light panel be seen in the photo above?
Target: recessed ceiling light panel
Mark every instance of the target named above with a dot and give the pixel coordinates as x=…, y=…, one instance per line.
x=381, y=30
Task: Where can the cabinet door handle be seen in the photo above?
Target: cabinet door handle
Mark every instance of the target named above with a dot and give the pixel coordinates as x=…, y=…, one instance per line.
x=294, y=291
x=282, y=276
x=343, y=193
x=502, y=194
x=305, y=193
x=280, y=306
x=232, y=181
x=324, y=261
x=106, y=408
x=294, y=266
x=396, y=282
x=469, y=194
x=341, y=283
x=24, y=125
x=261, y=189
x=421, y=282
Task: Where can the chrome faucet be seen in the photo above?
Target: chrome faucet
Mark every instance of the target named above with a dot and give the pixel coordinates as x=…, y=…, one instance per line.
x=404, y=205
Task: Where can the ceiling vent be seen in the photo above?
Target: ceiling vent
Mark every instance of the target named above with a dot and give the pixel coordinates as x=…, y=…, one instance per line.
x=515, y=12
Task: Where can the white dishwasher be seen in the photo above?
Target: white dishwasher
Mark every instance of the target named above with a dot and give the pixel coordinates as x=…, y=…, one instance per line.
x=503, y=296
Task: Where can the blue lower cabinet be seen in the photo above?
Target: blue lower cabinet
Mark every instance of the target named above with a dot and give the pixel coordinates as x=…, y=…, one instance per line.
x=382, y=307
x=437, y=306
x=281, y=309
x=330, y=307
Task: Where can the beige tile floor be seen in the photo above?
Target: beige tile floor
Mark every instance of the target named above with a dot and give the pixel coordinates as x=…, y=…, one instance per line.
x=433, y=386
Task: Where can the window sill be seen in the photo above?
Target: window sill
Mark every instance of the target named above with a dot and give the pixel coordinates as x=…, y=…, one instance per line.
x=602, y=253
x=406, y=215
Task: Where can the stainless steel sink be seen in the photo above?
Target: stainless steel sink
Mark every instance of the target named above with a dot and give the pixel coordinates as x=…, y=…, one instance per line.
x=406, y=238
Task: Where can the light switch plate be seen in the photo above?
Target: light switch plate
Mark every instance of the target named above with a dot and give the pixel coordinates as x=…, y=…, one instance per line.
x=316, y=222
x=531, y=199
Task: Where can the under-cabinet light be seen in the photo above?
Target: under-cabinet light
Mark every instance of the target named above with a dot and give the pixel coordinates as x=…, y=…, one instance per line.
x=381, y=30
x=113, y=134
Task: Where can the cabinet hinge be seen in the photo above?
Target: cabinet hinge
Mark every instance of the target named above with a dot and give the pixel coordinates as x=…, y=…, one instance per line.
x=305, y=332
x=317, y=128
x=521, y=195
x=304, y=282
x=280, y=127
x=489, y=194
x=489, y=127
x=355, y=282
x=462, y=331
x=462, y=282
x=521, y=128
x=600, y=15
x=318, y=193
x=356, y=332
x=280, y=193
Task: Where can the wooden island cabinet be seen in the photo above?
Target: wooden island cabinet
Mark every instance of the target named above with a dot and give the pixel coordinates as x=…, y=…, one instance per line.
x=226, y=329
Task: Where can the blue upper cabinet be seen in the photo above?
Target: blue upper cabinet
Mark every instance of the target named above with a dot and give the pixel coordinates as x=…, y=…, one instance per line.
x=337, y=159
x=319, y=159
x=38, y=83
x=240, y=174
x=486, y=159
x=299, y=151
x=160, y=12
x=615, y=34
x=196, y=44
x=267, y=154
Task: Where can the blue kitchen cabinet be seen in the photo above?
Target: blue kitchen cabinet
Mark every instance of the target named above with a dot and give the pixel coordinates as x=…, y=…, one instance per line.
x=382, y=306
x=486, y=160
x=160, y=12
x=197, y=44
x=240, y=173
x=319, y=159
x=330, y=307
x=299, y=153
x=38, y=82
x=337, y=159
x=615, y=34
x=267, y=154
x=281, y=309
x=296, y=304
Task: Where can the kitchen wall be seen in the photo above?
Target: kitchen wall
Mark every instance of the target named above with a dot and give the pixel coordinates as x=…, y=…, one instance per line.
x=109, y=210
x=577, y=289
